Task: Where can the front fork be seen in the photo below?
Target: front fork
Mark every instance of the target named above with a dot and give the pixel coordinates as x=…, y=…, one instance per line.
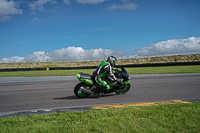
x=124, y=85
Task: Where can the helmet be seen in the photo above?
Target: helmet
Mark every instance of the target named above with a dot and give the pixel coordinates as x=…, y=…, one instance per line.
x=112, y=60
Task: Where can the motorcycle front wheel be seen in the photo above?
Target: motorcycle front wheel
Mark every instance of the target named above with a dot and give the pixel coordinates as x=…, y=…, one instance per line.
x=78, y=92
x=124, y=90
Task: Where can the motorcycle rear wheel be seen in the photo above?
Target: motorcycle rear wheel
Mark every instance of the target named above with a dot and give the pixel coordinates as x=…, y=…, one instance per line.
x=78, y=92
x=124, y=90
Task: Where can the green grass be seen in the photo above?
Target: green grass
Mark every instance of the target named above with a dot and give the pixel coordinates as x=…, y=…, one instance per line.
x=159, y=118
x=164, y=69
x=134, y=70
x=45, y=73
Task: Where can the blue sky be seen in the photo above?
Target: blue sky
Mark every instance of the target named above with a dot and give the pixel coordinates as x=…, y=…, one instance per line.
x=129, y=26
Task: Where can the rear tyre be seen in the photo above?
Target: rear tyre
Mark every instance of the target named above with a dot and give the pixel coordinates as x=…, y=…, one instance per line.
x=124, y=90
x=78, y=92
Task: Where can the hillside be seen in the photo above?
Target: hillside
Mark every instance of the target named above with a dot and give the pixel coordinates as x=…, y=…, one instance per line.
x=145, y=60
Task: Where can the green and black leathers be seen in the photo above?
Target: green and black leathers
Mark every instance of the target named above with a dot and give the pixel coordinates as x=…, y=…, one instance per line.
x=103, y=70
x=89, y=86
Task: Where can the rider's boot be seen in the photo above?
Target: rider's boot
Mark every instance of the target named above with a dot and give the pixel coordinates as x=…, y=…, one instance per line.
x=99, y=89
x=106, y=88
x=96, y=89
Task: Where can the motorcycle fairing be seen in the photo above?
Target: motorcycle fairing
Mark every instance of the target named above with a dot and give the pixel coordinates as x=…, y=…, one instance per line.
x=86, y=78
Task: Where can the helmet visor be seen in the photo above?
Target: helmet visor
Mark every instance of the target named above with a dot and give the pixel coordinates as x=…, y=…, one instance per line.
x=114, y=61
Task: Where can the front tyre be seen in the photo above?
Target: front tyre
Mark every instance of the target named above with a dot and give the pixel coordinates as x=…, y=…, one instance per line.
x=78, y=92
x=124, y=90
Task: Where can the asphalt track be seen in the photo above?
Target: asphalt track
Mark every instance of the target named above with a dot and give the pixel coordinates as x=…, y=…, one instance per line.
x=39, y=94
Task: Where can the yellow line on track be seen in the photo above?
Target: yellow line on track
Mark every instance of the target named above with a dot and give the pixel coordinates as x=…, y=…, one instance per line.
x=138, y=104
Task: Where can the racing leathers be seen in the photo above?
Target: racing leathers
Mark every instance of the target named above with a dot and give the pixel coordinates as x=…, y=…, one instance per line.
x=103, y=70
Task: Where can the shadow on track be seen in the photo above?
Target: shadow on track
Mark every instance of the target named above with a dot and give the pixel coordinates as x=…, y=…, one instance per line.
x=90, y=97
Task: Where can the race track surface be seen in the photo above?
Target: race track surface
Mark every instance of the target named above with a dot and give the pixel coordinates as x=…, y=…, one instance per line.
x=56, y=92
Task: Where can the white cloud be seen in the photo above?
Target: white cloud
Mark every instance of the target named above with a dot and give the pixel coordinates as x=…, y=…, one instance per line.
x=38, y=56
x=7, y=9
x=90, y=1
x=175, y=45
x=15, y=59
x=124, y=6
x=66, y=2
x=38, y=5
x=35, y=19
x=66, y=54
x=74, y=53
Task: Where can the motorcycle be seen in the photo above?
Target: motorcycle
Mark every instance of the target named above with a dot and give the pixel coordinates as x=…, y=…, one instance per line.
x=84, y=88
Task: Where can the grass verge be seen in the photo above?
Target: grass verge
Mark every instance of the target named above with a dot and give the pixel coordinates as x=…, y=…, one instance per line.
x=134, y=70
x=159, y=118
x=45, y=73
x=164, y=69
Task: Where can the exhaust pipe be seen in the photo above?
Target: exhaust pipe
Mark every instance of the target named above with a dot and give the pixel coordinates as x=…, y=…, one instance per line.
x=86, y=91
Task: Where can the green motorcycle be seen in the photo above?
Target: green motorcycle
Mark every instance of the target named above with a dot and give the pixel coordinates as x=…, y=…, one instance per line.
x=88, y=83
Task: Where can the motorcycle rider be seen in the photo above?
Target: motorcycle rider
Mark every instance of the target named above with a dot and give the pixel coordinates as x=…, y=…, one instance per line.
x=106, y=69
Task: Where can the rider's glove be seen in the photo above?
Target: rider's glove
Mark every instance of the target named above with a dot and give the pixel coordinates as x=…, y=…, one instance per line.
x=120, y=82
x=115, y=69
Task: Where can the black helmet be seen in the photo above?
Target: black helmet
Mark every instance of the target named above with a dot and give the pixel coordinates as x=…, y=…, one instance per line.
x=112, y=60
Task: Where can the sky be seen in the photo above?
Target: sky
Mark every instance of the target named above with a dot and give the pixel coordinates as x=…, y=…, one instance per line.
x=57, y=30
